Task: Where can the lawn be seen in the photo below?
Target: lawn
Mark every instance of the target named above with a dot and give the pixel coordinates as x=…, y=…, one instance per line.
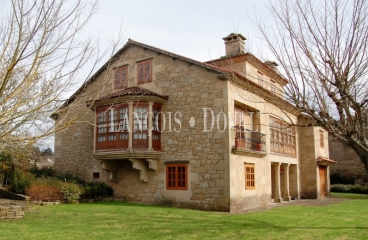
x=121, y=220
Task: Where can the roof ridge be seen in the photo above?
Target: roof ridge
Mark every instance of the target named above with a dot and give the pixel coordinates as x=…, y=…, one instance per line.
x=173, y=54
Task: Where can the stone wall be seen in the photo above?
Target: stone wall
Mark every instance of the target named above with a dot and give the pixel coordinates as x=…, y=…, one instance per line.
x=11, y=212
x=240, y=198
x=308, y=165
x=310, y=150
x=215, y=175
x=190, y=88
x=12, y=209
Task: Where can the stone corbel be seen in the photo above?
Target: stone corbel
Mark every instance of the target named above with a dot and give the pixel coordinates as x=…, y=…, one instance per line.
x=139, y=164
x=152, y=164
x=108, y=168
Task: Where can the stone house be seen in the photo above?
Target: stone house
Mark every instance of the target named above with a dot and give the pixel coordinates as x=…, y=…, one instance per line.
x=161, y=128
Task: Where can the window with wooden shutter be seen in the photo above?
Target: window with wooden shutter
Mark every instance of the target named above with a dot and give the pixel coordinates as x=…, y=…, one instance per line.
x=177, y=176
x=144, y=71
x=121, y=77
x=250, y=181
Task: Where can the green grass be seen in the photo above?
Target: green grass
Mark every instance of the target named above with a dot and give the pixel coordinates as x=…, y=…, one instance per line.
x=350, y=195
x=121, y=220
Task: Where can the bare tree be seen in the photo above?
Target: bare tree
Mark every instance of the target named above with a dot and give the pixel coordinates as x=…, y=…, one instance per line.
x=322, y=47
x=41, y=55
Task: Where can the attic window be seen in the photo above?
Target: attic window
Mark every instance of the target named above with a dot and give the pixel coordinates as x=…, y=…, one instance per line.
x=144, y=71
x=121, y=77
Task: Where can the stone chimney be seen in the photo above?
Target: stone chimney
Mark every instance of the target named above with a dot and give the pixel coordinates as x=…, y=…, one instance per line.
x=234, y=44
x=271, y=64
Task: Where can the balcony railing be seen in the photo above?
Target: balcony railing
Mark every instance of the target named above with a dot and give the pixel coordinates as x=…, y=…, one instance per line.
x=254, y=141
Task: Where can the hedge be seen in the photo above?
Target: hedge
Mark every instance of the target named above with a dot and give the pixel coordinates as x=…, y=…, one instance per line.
x=349, y=188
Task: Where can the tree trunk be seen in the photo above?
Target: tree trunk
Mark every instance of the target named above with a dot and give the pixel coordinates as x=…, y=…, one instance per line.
x=362, y=154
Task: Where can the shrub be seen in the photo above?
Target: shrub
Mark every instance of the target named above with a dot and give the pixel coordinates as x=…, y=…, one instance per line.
x=97, y=189
x=70, y=177
x=20, y=180
x=71, y=192
x=338, y=188
x=349, y=188
x=45, y=189
x=42, y=172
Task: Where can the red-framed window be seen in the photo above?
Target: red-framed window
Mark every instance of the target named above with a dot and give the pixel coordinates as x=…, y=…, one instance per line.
x=112, y=127
x=156, y=127
x=121, y=77
x=140, y=129
x=144, y=71
x=250, y=180
x=177, y=176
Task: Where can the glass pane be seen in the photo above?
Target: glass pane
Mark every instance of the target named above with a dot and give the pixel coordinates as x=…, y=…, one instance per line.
x=140, y=73
x=117, y=78
x=147, y=72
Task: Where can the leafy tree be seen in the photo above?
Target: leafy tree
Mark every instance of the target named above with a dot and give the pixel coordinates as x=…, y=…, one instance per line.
x=322, y=47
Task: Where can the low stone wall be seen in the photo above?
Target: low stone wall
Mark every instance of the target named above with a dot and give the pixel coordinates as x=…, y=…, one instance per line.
x=44, y=203
x=11, y=212
x=12, y=209
x=9, y=195
x=102, y=199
